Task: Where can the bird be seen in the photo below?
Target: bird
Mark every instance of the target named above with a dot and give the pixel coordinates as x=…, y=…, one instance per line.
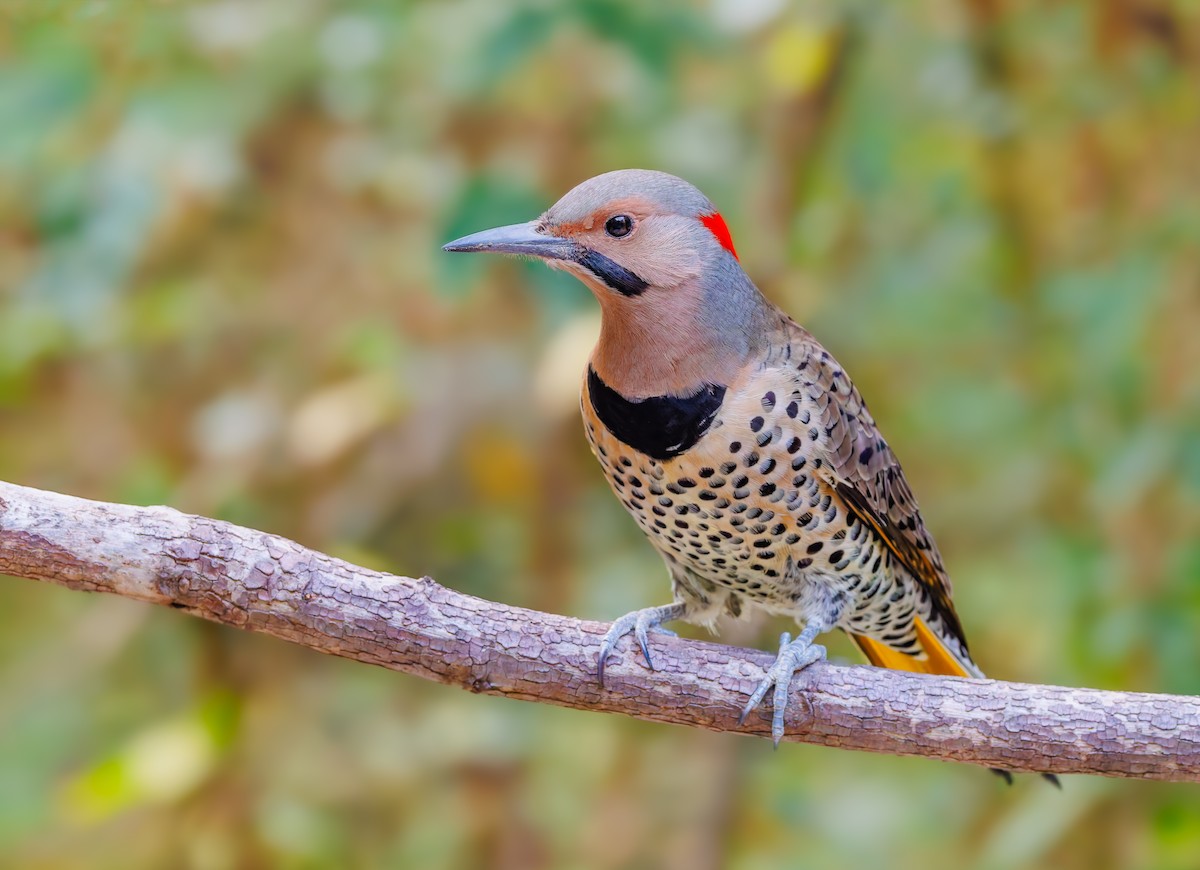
x=738, y=443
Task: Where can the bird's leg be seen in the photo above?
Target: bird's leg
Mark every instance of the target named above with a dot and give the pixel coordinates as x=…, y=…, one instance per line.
x=641, y=623
x=793, y=656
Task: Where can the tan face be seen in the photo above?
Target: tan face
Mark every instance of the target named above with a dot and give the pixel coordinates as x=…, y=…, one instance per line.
x=659, y=248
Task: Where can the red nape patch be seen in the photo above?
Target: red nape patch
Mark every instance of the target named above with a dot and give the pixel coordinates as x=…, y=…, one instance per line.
x=716, y=226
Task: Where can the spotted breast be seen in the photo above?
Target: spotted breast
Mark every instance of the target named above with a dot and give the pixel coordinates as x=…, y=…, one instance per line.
x=733, y=485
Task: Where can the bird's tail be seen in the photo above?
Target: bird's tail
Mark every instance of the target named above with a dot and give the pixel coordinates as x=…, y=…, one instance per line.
x=939, y=658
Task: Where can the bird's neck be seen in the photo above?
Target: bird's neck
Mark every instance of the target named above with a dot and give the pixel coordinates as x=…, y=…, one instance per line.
x=673, y=344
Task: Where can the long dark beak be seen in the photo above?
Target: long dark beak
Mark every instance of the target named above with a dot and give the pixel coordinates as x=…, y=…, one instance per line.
x=516, y=239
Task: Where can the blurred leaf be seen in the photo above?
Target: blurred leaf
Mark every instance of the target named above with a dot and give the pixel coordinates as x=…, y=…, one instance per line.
x=160, y=764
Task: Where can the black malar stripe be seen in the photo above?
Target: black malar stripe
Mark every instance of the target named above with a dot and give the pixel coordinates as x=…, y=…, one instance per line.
x=615, y=276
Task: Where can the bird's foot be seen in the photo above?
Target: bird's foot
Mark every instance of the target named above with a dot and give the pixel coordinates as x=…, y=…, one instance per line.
x=793, y=656
x=640, y=623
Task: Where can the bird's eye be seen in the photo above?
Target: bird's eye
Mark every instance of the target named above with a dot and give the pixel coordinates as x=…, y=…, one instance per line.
x=619, y=225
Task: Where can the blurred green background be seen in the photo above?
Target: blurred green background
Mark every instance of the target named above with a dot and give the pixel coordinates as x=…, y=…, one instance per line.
x=221, y=289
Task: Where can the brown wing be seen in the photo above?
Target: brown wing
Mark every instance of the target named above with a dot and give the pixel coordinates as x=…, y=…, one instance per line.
x=866, y=474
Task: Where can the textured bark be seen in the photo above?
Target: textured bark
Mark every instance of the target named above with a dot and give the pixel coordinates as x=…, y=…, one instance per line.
x=262, y=582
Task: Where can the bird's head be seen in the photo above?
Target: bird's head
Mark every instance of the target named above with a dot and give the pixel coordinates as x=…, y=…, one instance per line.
x=628, y=233
x=658, y=257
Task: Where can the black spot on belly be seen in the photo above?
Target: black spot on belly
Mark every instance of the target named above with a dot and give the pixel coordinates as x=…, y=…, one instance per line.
x=660, y=426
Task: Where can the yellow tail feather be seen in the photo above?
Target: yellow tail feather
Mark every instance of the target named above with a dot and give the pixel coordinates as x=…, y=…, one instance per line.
x=938, y=659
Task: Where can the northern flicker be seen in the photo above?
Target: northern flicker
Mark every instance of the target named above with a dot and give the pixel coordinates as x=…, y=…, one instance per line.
x=737, y=442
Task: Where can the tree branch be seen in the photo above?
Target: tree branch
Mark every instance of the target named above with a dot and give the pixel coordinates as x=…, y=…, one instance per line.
x=253, y=580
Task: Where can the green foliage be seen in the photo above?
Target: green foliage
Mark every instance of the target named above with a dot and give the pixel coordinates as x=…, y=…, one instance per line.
x=221, y=288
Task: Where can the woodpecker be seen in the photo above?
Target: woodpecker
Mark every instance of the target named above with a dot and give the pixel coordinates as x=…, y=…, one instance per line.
x=737, y=442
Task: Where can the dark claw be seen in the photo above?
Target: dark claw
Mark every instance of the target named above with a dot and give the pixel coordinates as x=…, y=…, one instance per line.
x=1003, y=774
x=1053, y=780
x=645, y=649
x=640, y=623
